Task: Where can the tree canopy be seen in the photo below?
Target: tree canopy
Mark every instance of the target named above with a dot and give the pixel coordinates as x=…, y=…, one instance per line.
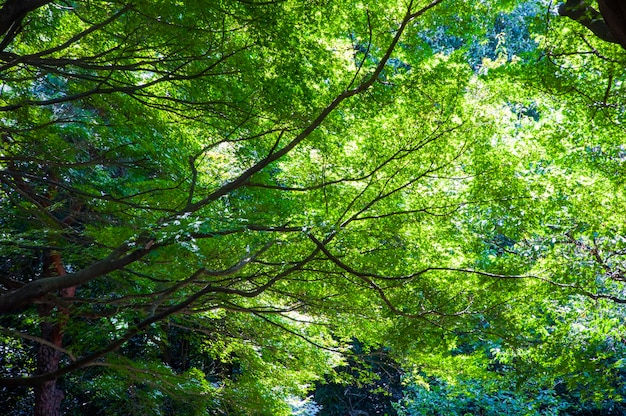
x=211, y=207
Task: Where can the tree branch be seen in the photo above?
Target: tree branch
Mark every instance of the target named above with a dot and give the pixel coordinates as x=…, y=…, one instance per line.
x=614, y=13
x=11, y=15
x=274, y=156
x=581, y=12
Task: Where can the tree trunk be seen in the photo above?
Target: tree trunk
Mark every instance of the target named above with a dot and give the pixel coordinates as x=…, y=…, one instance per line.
x=589, y=17
x=11, y=15
x=48, y=396
x=614, y=13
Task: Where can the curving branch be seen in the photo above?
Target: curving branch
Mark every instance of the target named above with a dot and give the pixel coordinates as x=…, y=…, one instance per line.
x=614, y=13
x=273, y=156
x=608, y=24
x=11, y=15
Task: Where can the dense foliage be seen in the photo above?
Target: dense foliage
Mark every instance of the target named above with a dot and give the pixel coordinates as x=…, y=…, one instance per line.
x=214, y=207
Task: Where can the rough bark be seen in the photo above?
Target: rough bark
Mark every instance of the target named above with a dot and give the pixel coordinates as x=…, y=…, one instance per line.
x=48, y=396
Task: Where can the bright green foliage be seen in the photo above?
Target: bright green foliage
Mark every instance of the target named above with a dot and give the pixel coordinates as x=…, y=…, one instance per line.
x=238, y=190
x=483, y=398
x=559, y=126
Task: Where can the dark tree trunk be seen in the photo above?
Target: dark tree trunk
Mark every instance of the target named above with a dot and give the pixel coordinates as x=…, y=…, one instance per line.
x=608, y=24
x=589, y=17
x=48, y=396
x=11, y=15
x=614, y=13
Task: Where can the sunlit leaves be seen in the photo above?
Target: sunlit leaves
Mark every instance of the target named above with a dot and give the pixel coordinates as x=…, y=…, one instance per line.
x=448, y=211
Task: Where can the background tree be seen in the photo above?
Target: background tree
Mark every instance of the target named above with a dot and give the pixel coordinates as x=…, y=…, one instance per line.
x=563, y=351
x=370, y=384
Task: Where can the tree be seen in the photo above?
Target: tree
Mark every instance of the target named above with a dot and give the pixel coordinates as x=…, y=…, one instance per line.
x=199, y=167
x=562, y=355
x=371, y=386
x=225, y=195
